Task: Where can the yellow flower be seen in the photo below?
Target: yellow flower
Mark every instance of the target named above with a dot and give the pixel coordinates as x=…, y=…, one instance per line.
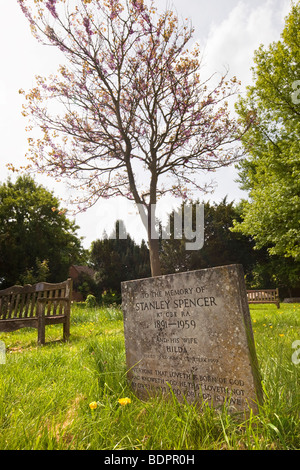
x=93, y=405
x=124, y=401
x=281, y=335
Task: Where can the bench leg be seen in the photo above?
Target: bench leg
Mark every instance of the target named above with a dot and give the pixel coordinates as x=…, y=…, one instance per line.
x=41, y=325
x=66, y=328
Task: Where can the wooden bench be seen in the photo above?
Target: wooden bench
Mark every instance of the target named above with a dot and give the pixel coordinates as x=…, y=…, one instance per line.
x=264, y=296
x=36, y=306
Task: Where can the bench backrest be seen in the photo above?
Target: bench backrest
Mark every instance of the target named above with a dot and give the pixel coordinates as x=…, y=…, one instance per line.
x=264, y=295
x=22, y=301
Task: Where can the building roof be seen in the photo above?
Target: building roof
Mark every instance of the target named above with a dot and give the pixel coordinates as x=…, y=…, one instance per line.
x=84, y=269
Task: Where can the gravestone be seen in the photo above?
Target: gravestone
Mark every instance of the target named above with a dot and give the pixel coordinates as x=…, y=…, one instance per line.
x=191, y=332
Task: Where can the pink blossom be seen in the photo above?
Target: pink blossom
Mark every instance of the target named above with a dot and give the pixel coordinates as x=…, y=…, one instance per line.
x=87, y=25
x=139, y=5
x=51, y=7
x=26, y=11
x=113, y=15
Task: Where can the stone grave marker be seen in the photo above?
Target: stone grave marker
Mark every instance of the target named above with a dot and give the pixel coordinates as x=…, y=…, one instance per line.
x=192, y=332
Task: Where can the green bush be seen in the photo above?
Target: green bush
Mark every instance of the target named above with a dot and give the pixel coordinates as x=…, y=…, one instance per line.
x=91, y=301
x=110, y=298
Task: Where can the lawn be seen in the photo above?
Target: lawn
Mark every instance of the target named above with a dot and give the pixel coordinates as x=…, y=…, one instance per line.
x=46, y=392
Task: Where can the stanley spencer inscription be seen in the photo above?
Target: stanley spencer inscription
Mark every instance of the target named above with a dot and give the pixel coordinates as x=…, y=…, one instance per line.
x=192, y=332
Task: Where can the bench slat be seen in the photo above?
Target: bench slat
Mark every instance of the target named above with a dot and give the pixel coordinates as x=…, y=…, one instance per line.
x=11, y=303
x=31, y=303
x=50, y=295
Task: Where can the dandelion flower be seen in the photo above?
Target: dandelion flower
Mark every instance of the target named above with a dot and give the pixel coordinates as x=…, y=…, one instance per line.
x=93, y=405
x=281, y=335
x=124, y=401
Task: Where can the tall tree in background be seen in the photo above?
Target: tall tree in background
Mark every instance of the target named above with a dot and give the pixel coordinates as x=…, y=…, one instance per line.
x=133, y=106
x=117, y=260
x=37, y=241
x=271, y=172
x=221, y=246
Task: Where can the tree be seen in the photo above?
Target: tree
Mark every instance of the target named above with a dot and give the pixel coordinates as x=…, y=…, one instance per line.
x=134, y=107
x=221, y=246
x=117, y=260
x=35, y=274
x=37, y=241
x=271, y=171
x=276, y=271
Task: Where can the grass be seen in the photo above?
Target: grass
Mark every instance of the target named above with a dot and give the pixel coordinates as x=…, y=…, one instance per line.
x=45, y=392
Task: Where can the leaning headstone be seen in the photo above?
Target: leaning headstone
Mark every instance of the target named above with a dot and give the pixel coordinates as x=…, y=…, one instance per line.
x=191, y=333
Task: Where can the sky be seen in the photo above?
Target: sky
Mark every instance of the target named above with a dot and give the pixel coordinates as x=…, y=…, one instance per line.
x=228, y=31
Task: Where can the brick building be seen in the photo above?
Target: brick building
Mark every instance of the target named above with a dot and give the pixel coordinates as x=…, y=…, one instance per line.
x=76, y=273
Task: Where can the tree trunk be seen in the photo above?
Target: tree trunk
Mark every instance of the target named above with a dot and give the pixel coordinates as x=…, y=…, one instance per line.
x=147, y=214
x=154, y=256
x=153, y=240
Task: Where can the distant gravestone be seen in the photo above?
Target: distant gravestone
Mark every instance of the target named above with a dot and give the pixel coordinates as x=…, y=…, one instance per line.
x=192, y=332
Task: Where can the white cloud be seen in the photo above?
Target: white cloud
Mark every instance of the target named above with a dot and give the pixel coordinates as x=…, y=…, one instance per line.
x=232, y=42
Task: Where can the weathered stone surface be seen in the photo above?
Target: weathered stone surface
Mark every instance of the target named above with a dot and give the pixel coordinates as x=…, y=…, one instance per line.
x=192, y=331
x=291, y=300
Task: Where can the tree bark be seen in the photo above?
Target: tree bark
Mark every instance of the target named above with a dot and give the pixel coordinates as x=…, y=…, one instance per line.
x=153, y=241
x=147, y=212
x=154, y=257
